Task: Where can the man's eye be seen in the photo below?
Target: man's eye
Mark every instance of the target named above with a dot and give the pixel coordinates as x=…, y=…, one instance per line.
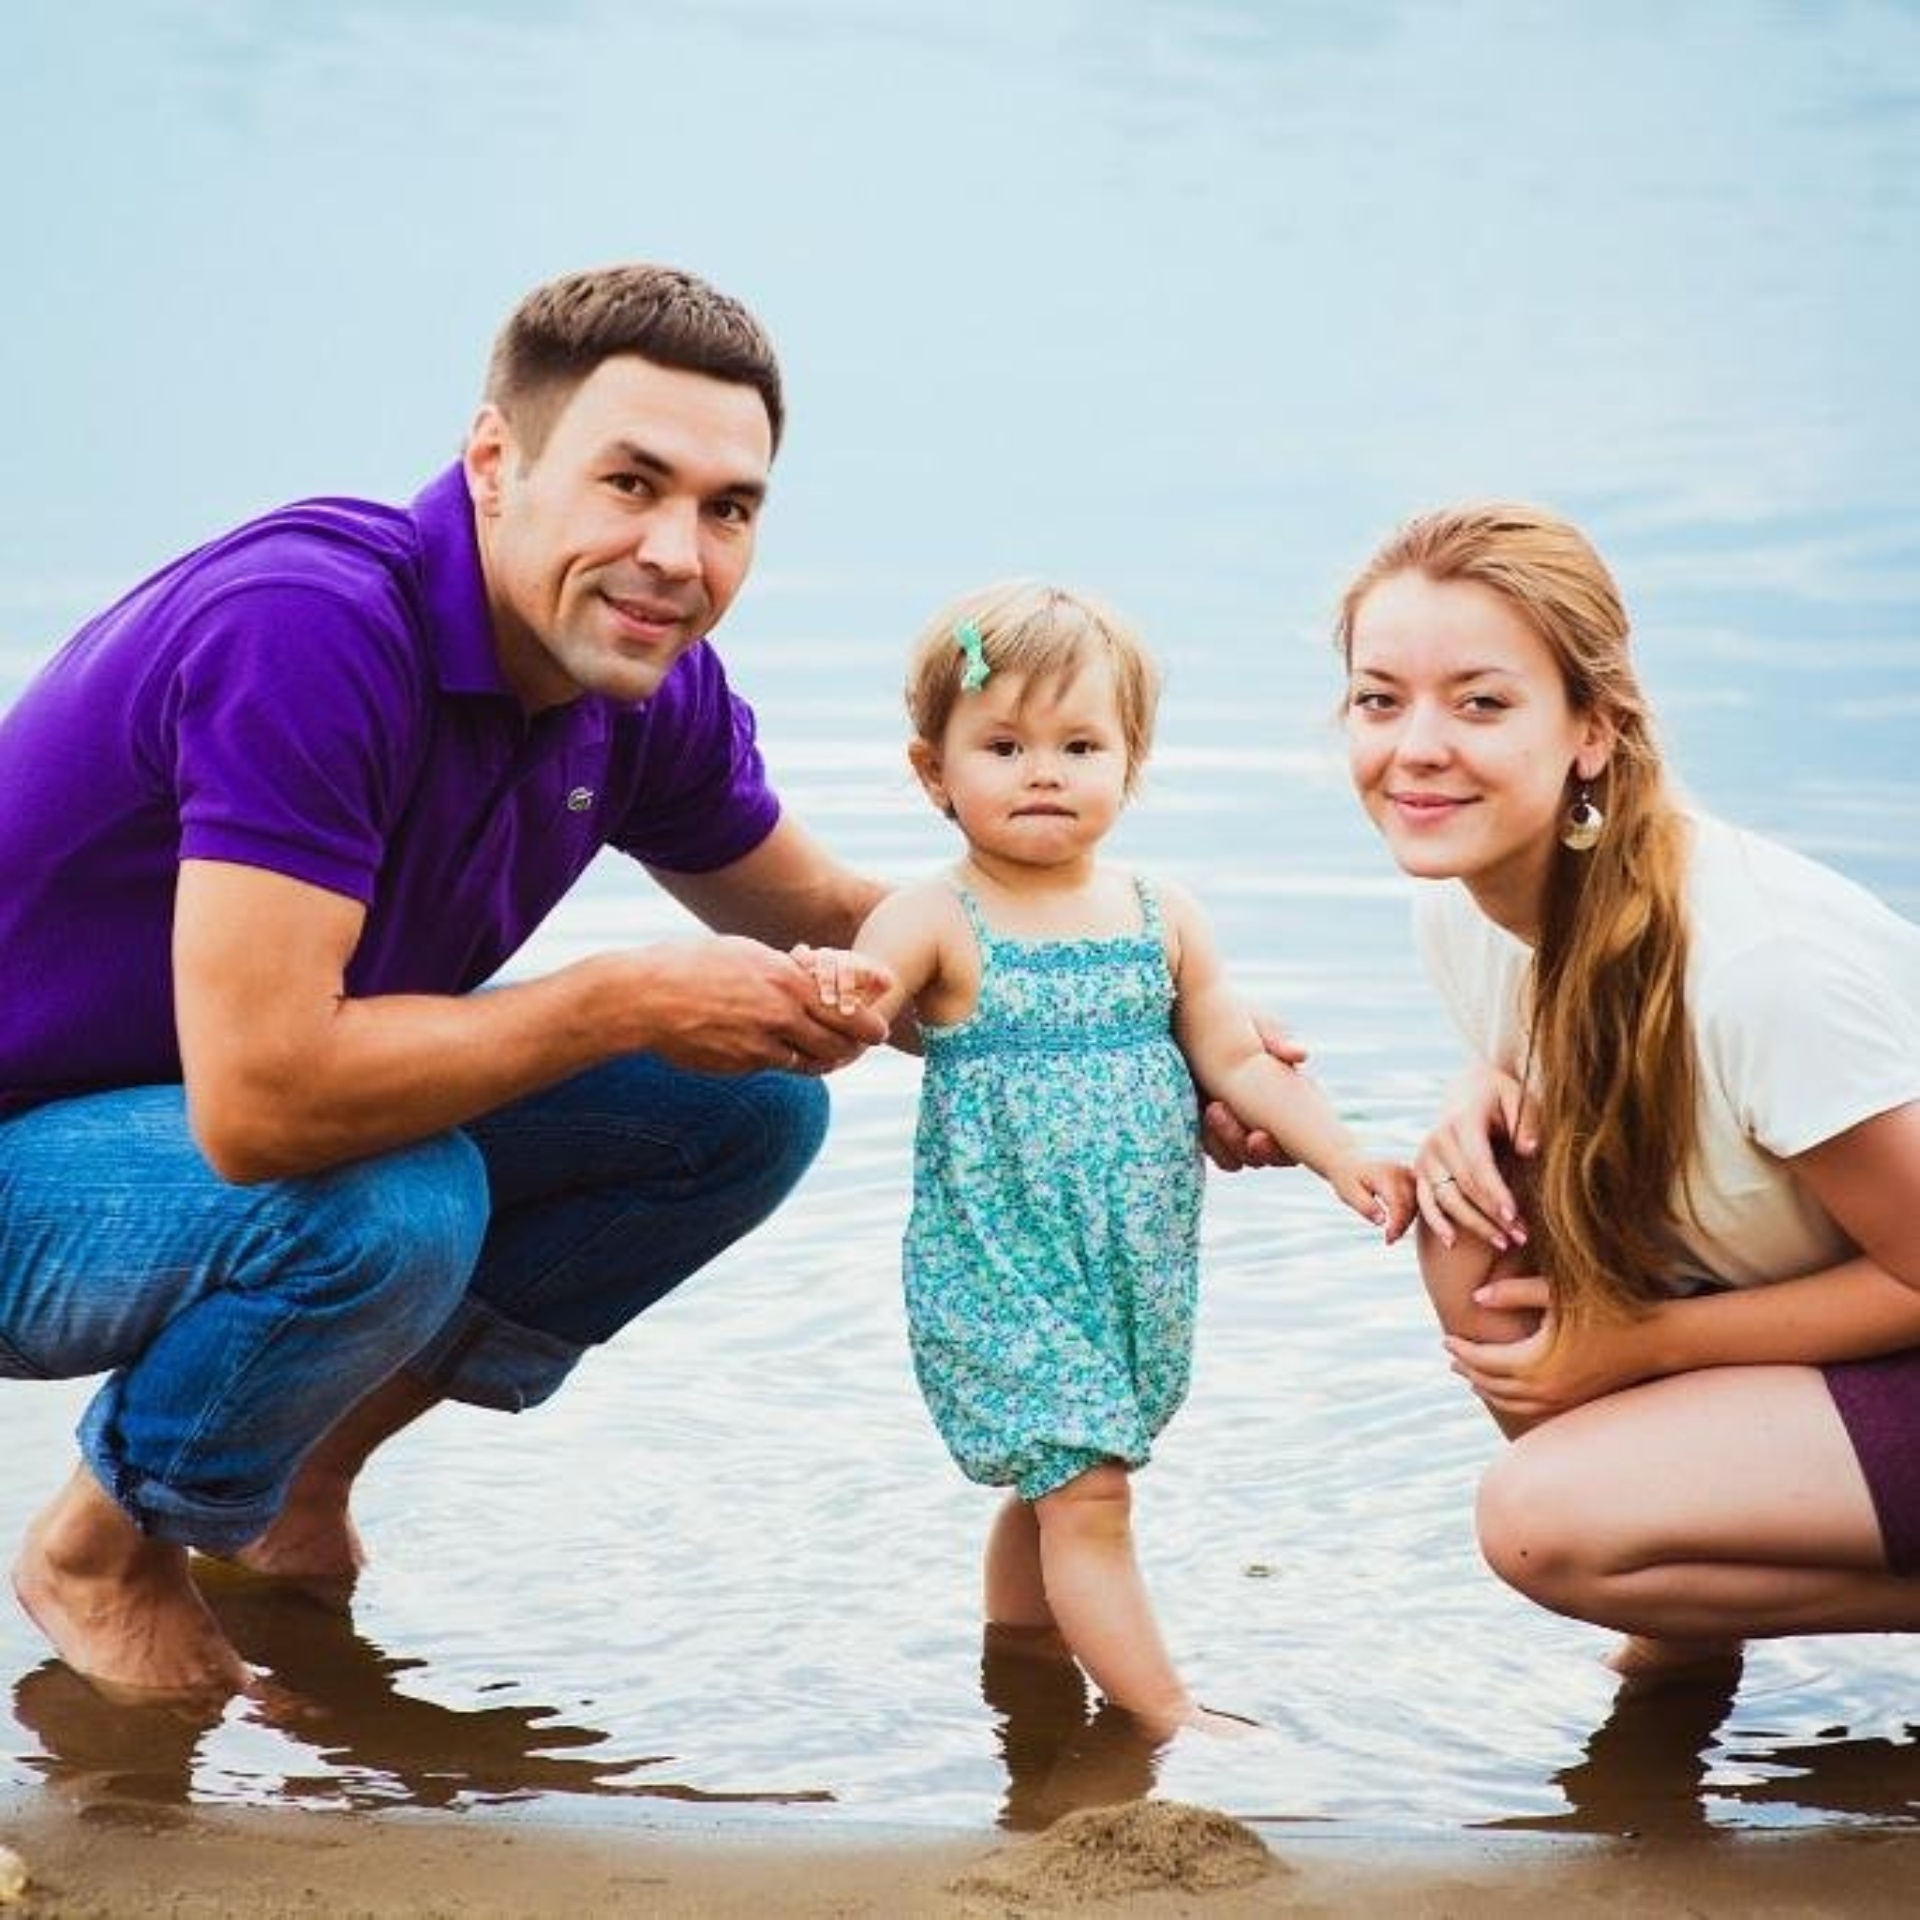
x=735, y=513
x=631, y=484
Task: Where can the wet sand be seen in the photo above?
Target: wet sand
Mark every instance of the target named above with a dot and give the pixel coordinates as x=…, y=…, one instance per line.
x=1152, y=1858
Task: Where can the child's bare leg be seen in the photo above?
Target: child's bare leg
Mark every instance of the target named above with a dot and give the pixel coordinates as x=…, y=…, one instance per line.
x=1015, y=1588
x=1099, y=1598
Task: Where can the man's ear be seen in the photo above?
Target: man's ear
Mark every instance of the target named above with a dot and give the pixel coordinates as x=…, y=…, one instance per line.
x=924, y=758
x=489, y=448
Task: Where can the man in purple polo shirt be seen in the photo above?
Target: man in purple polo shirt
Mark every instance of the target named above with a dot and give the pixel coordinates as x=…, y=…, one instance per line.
x=266, y=1158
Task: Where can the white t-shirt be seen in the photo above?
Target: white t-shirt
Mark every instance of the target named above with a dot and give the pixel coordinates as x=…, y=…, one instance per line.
x=1804, y=992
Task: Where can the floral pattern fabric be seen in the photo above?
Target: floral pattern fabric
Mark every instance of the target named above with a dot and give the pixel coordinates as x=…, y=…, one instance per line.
x=1052, y=1254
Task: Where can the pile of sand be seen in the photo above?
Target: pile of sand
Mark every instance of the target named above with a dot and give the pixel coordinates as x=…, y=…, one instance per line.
x=1107, y=1853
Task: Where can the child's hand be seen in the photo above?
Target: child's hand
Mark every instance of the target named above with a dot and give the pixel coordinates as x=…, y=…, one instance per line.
x=1377, y=1190
x=844, y=979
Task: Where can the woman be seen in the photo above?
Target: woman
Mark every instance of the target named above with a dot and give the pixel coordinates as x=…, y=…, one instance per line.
x=1670, y=1219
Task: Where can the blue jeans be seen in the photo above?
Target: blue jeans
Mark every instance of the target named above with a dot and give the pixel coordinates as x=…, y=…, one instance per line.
x=241, y=1322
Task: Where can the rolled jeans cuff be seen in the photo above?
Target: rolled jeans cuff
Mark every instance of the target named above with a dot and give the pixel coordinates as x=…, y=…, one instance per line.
x=483, y=1359
x=162, y=1512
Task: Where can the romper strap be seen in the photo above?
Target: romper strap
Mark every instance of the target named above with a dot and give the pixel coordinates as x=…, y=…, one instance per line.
x=1150, y=920
x=975, y=918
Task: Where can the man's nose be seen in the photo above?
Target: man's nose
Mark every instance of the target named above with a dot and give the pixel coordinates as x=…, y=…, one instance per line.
x=669, y=541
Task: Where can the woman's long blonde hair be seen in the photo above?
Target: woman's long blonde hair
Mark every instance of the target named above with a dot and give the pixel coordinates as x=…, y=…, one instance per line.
x=1610, y=1038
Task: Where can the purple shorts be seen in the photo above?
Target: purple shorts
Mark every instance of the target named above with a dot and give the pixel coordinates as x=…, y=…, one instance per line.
x=1879, y=1402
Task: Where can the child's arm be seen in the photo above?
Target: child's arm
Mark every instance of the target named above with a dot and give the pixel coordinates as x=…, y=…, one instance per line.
x=1225, y=1054
x=895, y=957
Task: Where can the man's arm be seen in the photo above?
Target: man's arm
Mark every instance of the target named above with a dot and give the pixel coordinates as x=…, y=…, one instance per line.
x=285, y=1074
x=788, y=889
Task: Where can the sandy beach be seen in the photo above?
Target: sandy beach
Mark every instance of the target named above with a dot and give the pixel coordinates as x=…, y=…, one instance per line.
x=1152, y=1858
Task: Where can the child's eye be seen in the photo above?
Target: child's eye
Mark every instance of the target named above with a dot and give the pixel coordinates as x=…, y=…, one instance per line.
x=1083, y=747
x=1003, y=749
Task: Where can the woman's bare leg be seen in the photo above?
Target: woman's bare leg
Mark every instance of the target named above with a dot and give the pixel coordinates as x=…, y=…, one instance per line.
x=1701, y=1509
x=1451, y=1275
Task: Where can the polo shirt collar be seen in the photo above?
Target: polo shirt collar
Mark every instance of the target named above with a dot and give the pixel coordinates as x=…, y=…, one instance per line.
x=459, y=627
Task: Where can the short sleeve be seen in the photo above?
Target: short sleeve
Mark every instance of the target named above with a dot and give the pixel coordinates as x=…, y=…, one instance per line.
x=1807, y=1041
x=288, y=723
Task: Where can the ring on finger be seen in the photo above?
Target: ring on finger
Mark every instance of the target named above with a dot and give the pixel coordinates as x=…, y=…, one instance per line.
x=1445, y=1180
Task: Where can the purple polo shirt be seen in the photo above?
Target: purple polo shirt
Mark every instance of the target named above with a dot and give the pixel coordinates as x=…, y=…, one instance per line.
x=318, y=693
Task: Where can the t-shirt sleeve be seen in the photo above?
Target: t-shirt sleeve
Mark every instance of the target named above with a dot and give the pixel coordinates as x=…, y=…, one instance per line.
x=289, y=721
x=701, y=796
x=1807, y=1041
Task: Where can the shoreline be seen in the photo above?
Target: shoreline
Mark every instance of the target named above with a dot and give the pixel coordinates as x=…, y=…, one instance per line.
x=110, y=1860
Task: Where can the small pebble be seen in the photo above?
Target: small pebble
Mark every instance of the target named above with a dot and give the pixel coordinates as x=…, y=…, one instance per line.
x=13, y=1877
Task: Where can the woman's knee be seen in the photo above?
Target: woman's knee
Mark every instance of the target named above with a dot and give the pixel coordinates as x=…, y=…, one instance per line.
x=1533, y=1524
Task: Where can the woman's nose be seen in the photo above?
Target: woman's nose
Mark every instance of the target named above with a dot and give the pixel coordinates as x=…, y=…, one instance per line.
x=1423, y=735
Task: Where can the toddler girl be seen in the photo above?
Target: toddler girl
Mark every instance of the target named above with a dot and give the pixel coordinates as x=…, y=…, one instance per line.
x=1067, y=1008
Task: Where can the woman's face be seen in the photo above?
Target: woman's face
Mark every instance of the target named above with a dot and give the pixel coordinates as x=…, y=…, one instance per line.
x=1461, y=739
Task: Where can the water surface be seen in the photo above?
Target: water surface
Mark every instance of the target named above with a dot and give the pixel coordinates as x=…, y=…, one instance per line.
x=1186, y=303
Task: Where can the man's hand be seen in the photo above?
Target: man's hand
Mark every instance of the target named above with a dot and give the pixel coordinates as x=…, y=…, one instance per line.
x=731, y=1005
x=1231, y=1145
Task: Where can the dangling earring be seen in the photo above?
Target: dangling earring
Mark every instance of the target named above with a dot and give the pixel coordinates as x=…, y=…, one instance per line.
x=1583, y=823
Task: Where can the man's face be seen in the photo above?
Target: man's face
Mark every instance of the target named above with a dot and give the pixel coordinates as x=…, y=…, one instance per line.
x=625, y=538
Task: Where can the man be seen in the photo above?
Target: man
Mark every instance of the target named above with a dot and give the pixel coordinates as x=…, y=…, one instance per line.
x=264, y=1153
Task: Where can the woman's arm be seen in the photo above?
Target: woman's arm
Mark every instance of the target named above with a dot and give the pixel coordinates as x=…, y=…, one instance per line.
x=1867, y=1177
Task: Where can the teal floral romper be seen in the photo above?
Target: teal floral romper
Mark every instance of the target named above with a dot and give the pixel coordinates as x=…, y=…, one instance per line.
x=1052, y=1255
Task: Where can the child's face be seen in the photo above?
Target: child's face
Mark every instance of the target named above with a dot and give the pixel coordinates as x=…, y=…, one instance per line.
x=1034, y=773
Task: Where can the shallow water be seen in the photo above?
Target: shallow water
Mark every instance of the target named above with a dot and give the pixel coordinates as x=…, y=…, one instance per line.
x=1188, y=304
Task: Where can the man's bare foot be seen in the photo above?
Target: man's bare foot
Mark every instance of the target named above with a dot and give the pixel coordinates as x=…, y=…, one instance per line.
x=117, y=1606
x=312, y=1545
x=1647, y=1659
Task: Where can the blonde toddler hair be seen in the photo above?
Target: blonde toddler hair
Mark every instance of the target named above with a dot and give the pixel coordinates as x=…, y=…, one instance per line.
x=1035, y=632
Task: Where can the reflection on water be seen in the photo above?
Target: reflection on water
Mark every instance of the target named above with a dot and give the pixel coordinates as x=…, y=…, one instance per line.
x=1187, y=304
x=330, y=1700
x=1661, y=1765
x=1063, y=1747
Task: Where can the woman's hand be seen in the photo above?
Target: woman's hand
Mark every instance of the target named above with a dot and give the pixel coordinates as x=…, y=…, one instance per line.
x=1458, y=1167
x=1531, y=1379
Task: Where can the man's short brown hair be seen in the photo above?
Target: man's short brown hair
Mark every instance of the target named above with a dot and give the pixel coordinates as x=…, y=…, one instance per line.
x=558, y=335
